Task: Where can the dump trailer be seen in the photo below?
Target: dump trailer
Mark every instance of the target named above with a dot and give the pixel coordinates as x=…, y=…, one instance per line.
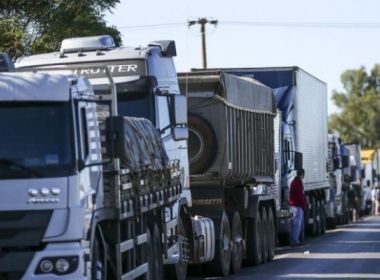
x=231, y=155
x=295, y=90
x=146, y=86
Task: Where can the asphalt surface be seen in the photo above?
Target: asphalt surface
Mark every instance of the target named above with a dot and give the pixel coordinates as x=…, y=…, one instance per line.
x=348, y=252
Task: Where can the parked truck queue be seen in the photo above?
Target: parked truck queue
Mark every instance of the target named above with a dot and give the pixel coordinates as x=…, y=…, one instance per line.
x=115, y=166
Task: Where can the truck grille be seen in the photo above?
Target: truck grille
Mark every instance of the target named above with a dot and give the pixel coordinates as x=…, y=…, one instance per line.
x=21, y=234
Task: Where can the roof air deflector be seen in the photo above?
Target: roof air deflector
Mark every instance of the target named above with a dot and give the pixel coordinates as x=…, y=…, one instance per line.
x=168, y=47
x=92, y=43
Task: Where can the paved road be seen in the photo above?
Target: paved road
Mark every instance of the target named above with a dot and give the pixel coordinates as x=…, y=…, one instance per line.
x=348, y=252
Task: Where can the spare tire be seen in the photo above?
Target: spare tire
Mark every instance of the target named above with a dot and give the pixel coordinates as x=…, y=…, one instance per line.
x=202, y=144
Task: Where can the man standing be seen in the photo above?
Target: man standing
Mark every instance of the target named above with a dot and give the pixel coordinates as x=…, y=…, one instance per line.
x=297, y=203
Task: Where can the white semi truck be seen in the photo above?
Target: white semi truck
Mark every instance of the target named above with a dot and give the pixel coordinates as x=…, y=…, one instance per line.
x=150, y=229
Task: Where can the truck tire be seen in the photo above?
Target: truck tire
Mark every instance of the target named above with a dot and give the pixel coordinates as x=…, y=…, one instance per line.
x=302, y=233
x=237, y=243
x=323, y=218
x=318, y=217
x=313, y=215
x=158, y=272
x=178, y=271
x=283, y=238
x=202, y=144
x=271, y=235
x=264, y=234
x=253, y=240
x=149, y=255
x=331, y=222
x=220, y=265
x=98, y=265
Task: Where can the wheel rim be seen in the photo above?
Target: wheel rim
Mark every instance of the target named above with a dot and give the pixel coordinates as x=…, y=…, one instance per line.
x=226, y=248
x=237, y=236
x=196, y=145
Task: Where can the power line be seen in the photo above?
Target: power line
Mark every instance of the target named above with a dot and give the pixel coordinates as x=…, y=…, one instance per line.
x=304, y=24
x=153, y=26
x=348, y=25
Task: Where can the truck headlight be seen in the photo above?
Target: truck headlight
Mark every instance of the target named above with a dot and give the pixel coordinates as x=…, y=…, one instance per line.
x=58, y=265
x=46, y=266
x=62, y=265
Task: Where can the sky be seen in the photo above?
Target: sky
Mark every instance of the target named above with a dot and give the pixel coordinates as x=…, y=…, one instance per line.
x=324, y=52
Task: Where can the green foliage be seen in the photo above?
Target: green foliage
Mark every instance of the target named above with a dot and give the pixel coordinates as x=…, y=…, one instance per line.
x=31, y=27
x=359, y=119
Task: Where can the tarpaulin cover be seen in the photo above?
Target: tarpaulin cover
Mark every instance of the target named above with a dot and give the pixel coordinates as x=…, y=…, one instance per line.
x=248, y=93
x=139, y=145
x=244, y=92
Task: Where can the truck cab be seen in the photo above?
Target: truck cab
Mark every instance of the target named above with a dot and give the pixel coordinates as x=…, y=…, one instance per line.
x=44, y=158
x=145, y=79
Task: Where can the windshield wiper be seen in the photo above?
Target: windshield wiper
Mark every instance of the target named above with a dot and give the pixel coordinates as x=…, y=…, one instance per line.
x=9, y=162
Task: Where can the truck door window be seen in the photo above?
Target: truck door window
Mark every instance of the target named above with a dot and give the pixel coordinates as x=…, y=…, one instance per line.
x=163, y=115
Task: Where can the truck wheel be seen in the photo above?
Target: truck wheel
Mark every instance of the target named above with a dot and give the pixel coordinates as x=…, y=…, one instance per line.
x=150, y=255
x=157, y=255
x=271, y=235
x=318, y=217
x=323, y=218
x=202, y=144
x=178, y=271
x=220, y=265
x=332, y=222
x=313, y=215
x=302, y=233
x=264, y=234
x=237, y=243
x=253, y=239
x=98, y=265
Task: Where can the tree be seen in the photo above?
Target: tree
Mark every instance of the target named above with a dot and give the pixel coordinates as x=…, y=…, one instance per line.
x=31, y=27
x=359, y=119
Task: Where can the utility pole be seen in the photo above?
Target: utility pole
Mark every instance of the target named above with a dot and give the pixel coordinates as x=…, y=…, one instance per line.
x=202, y=22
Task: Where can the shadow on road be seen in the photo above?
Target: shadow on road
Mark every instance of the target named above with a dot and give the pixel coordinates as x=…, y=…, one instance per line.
x=348, y=252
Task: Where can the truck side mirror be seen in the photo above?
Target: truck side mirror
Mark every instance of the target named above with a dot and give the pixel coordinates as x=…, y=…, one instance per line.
x=179, y=109
x=298, y=164
x=345, y=161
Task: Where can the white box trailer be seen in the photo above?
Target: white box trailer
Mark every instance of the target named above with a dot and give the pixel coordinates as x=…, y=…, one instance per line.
x=311, y=128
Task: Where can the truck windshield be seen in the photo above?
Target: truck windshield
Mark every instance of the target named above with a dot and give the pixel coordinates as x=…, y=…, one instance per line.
x=139, y=105
x=36, y=140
